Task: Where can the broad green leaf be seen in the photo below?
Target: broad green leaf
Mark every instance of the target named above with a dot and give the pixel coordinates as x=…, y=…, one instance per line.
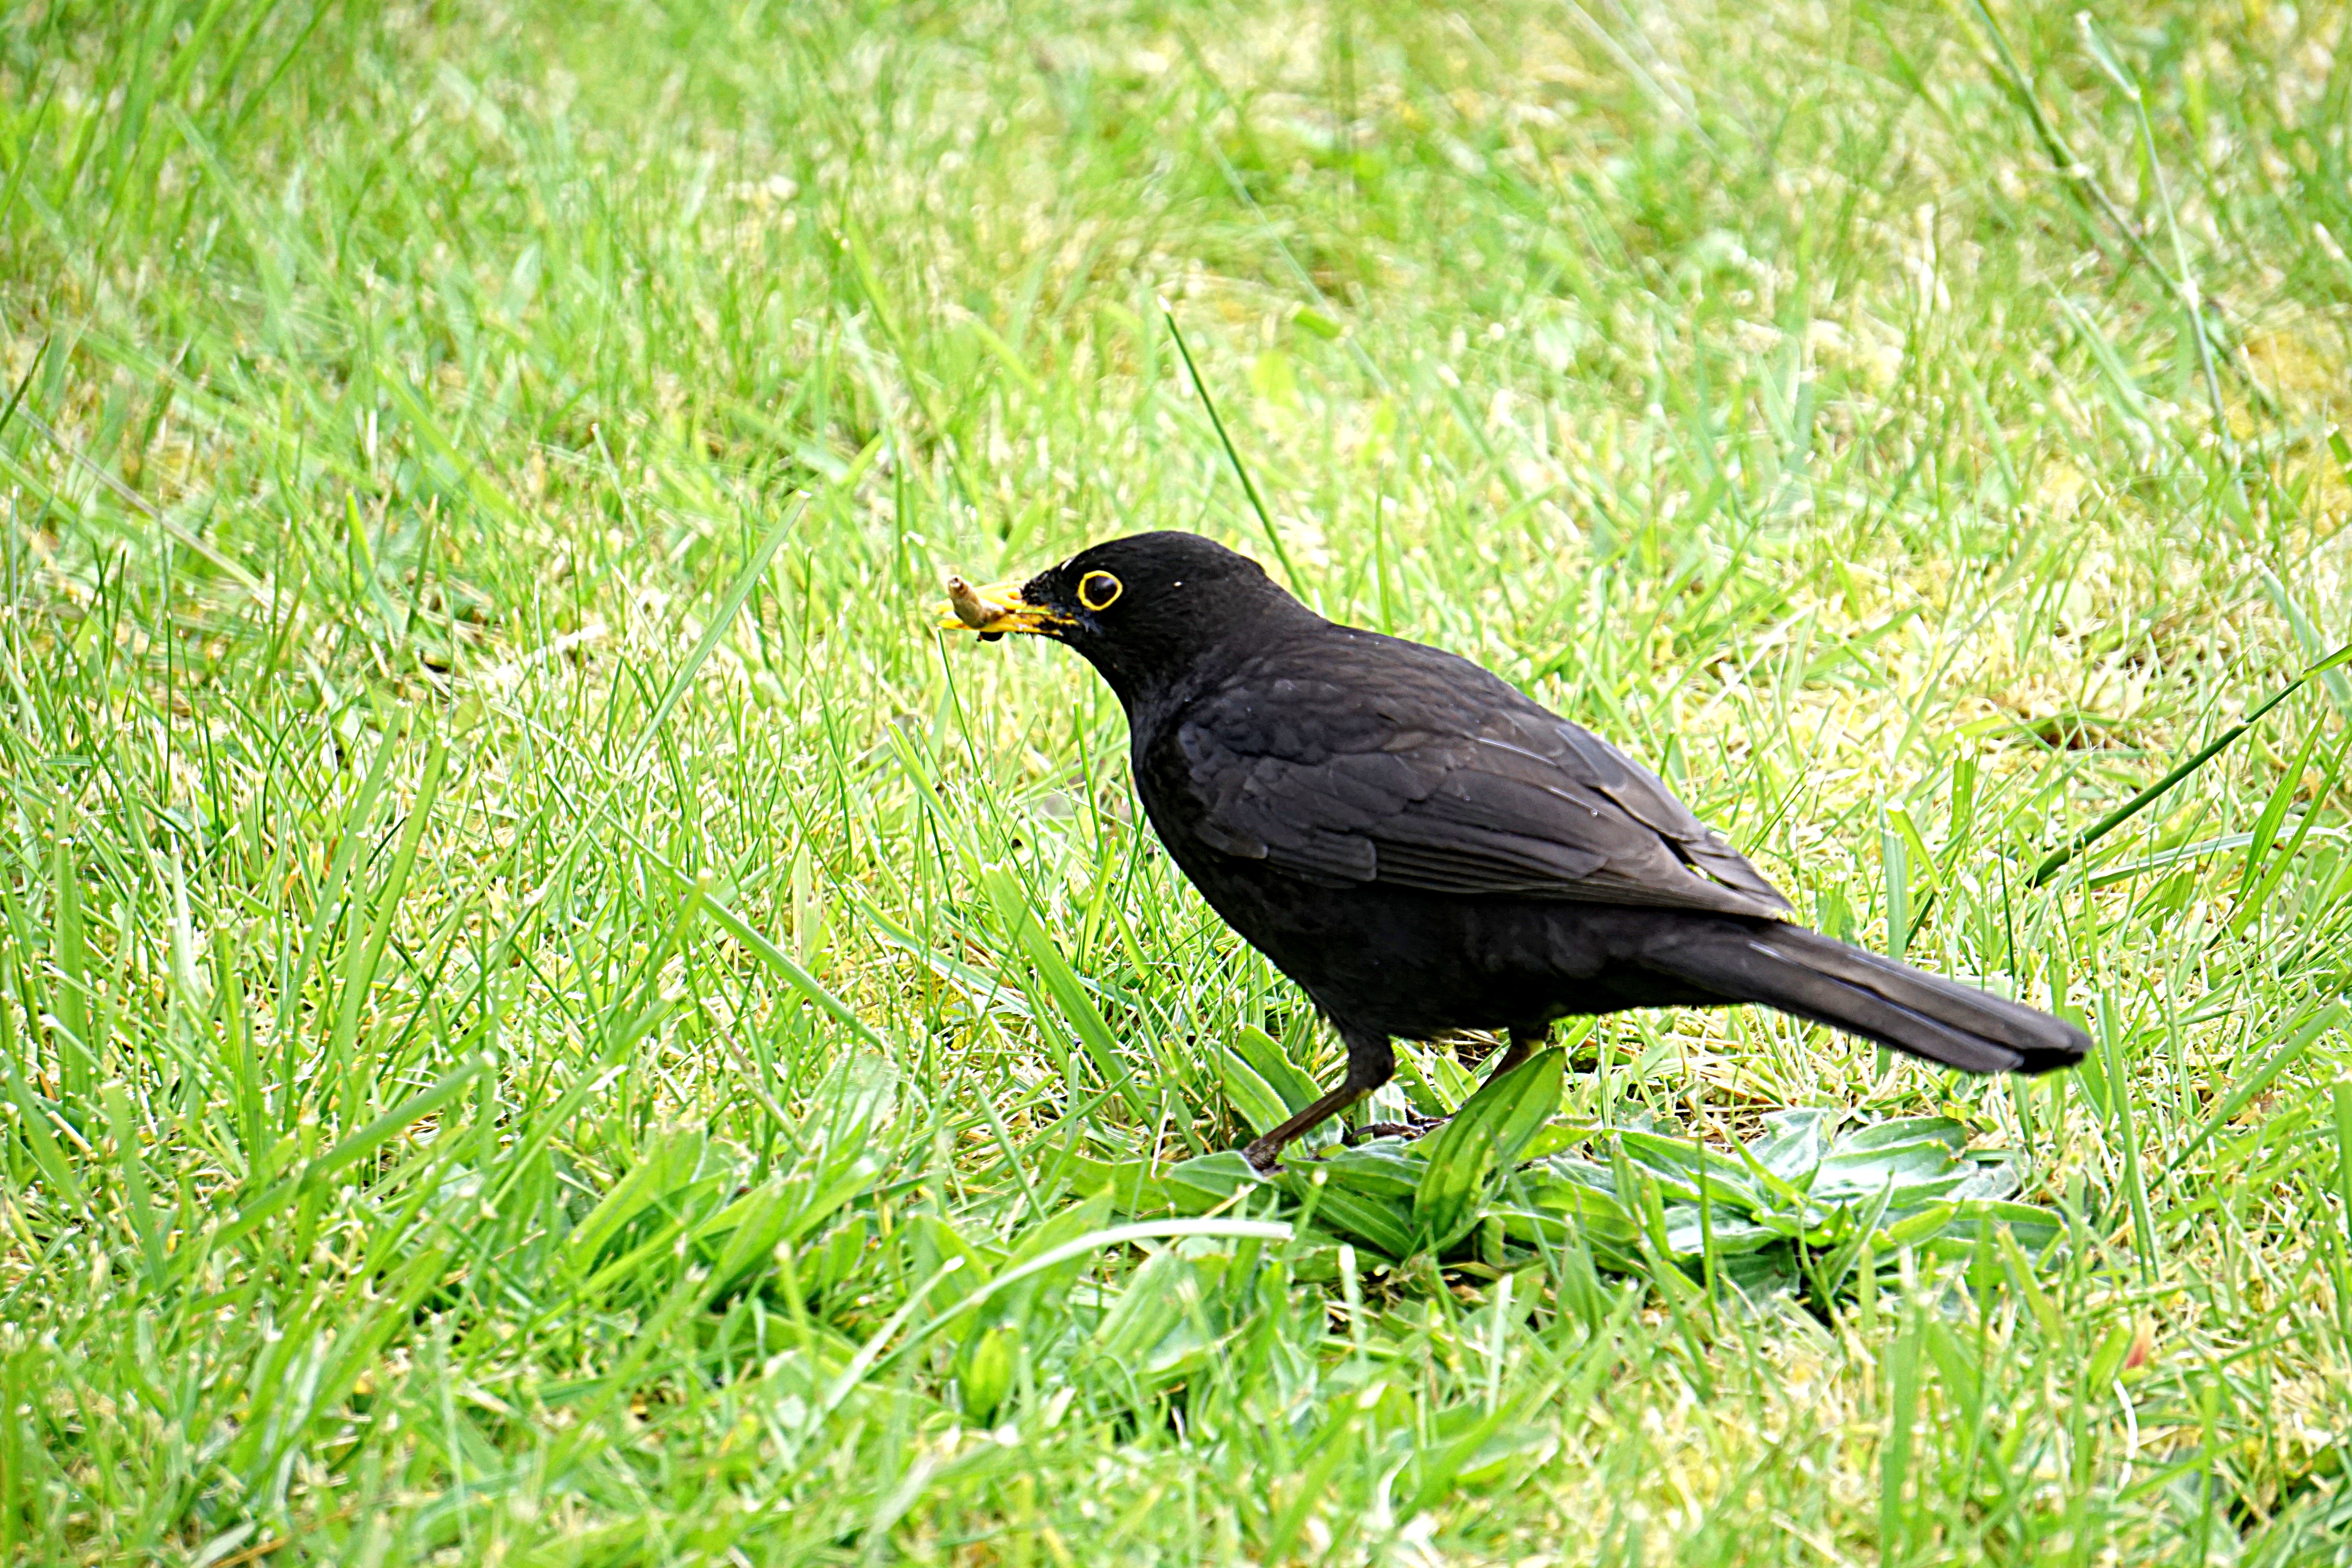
x=1484, y=1138
x=670, y=1162
x=984, y=1370
x=1686, y=1235
x=1146, y=1310
x=1905, y=1129
x=1678, y=1165
x=1262, y=1105
x=1197, y=1185
x=1383, y=1224
x=1265, y=1057
x=1133, y=1187
x=1383, y=1168
x=1795, y=1142
x=1015, y=1302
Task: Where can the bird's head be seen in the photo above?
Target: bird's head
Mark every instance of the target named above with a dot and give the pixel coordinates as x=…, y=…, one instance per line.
x=1143, y=610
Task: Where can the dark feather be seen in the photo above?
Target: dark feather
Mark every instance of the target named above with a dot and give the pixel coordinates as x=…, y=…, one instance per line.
x=1818, y=977
x=1497, y=797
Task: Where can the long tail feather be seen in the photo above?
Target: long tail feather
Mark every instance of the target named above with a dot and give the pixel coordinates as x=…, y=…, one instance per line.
x=1813, y=976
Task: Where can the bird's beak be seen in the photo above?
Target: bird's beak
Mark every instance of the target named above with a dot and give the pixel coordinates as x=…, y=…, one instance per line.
x=994, y=610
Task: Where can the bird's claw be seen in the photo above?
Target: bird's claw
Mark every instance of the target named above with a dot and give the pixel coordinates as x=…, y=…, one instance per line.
x=1412, y=1128
x=1265, y=1162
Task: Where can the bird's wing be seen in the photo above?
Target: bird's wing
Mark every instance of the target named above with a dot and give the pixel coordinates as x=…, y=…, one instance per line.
x=1399, y=768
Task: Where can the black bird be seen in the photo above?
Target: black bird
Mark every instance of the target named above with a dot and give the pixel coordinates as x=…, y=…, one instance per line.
x=1425, y=849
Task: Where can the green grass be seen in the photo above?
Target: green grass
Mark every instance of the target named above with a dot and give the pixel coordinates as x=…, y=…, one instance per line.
x=551, y=1018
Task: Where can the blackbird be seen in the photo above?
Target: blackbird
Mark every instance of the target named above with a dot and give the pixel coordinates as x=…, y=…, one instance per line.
x=1425, y=849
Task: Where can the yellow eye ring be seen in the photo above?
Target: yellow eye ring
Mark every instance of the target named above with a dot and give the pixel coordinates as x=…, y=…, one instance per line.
x=1098, y=590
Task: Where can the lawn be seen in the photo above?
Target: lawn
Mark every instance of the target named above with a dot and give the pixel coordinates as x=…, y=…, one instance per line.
x=549, y=1016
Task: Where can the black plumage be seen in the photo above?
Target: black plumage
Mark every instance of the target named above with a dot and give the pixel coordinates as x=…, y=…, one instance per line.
x=1425, y=849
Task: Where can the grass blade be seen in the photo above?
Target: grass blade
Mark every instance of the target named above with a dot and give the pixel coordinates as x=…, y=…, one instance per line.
x=1895, y=1458
x=362, y=963
x=2258, y=893
x=723, y=618
x=33, y=1121
x=2237, y=1099
x=792, y=974
x=2342, y=1096
x=78, y=1065
x=2140, y=801
x=1094, y=1031
x=132, y=1166
x=1249, y=487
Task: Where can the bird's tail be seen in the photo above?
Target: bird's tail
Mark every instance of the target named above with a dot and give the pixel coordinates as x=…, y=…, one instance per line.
x=1818, y=977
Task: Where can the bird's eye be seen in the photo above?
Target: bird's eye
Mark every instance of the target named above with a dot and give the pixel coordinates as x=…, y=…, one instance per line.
x=1098, y=590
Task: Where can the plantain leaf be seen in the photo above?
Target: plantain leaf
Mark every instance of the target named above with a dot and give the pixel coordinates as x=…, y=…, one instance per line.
x=1266, y=1058
x=1196, y=1186
x=1484, y=1138
x=1262, y=1105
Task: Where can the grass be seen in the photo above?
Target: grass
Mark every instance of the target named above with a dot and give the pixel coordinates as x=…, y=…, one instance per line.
x=550, y=1018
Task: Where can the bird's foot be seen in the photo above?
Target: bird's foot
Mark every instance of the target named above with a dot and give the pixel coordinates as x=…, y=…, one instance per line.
x=1412, y=1127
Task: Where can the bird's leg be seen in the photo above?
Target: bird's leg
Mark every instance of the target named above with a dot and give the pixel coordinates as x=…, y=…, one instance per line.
x=1264, y=1151
x=1370, y=1063
x=1524, y=1043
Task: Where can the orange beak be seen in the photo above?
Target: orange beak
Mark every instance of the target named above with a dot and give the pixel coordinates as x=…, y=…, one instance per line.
x=994, y=610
